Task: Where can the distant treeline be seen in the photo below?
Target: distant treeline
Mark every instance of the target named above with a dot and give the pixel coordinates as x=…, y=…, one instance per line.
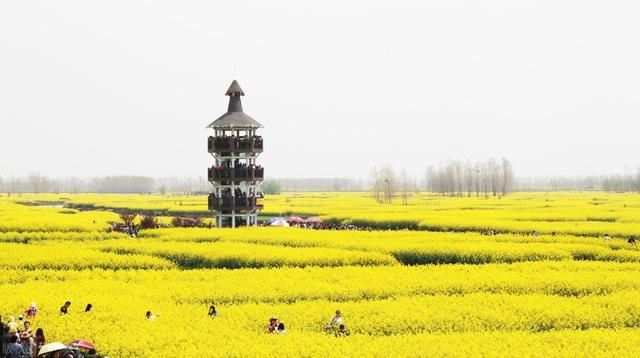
x=456, y=178
x=611, y=183
x=36, y=183
x=321, y=184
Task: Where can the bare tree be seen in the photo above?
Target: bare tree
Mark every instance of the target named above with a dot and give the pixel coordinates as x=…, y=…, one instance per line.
x=493, y=173
x=458, y=173
x=431, y=179
x=389, y=183
x=485, y=179
x=469, y=176
x=375, y=182
x=449, y=179
x=507, y=176
x=36, y=182
x=478, y=178
x=405, y=185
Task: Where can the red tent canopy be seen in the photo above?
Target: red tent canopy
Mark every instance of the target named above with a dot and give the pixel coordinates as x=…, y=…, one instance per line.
x=82, y=343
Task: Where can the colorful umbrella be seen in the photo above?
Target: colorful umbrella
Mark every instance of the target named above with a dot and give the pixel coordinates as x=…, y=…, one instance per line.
x=51, y=347
x=82, y=343
x=295, y=219
x=272, y=220
x=314, y=220
x=282, y=223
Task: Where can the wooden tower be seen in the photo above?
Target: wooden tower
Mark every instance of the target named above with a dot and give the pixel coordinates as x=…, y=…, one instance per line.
x=235, y=175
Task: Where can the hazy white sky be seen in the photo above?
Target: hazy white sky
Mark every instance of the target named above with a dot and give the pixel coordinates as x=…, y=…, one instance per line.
x=127, y=87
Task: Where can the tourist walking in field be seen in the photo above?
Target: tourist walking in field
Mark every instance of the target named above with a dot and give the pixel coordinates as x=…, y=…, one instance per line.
x=335, y=322
x=32, y=311
x=27, y=341
x=88, y=308
x=13, y=325
x=5, y=333
x=14, y=349
x=40, y=339
x=212, y=311
x=150, y=316
x=65, y=308
x=273, y=324
x=26, y=327
x=4, y=340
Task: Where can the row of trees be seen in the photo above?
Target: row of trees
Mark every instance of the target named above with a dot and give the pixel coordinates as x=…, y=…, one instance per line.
x=629, y=182
x=385, y=183
x=36, y=183
x=622, y=183
x=321, y=184
x=457, y=178
x=454, y=178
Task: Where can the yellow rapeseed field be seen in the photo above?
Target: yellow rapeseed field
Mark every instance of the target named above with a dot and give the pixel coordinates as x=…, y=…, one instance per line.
x=445, y=289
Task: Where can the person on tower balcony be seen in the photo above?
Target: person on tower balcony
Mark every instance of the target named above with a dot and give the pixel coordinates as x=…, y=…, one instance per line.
x=226, y=201
x=243, y=170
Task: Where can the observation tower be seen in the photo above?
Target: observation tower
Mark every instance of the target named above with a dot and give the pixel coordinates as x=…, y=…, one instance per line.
x=235, y=175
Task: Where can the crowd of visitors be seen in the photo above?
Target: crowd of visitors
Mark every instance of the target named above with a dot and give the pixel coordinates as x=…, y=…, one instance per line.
x=131, y=229
x=19, y=340
x=334, y=226
x=239, y=171
x=238, y=199
x=241, y=143
x=335, y=326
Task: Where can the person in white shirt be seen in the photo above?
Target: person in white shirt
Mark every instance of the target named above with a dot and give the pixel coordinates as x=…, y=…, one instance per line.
x=335, y=322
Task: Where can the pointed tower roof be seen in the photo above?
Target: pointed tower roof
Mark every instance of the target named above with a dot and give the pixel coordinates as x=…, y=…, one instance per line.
x=235, y=118
x=234, y=90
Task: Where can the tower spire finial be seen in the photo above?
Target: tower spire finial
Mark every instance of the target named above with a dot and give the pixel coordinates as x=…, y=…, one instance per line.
x=234, y=90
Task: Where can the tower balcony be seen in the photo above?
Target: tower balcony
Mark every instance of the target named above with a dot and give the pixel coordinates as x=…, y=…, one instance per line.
x=232, y=144
x=254, y=174
x=228, y=203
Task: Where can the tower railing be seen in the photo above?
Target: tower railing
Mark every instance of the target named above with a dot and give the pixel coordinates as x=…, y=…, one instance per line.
x=230, y=144
x=226, y=203
x=252, y=174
